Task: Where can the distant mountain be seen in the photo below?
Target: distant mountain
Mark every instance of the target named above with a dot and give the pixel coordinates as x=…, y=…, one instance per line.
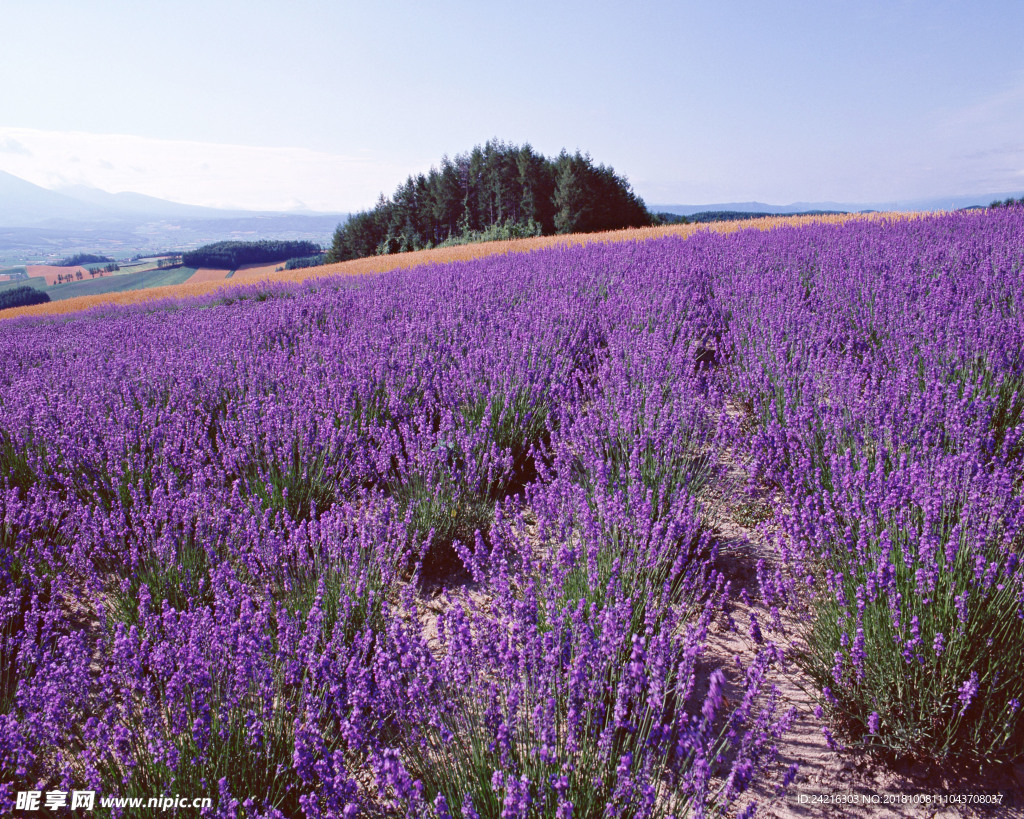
x=934, y=203
x=138, y=204
x=750, y=207
x=37, y=224
x=23, y=204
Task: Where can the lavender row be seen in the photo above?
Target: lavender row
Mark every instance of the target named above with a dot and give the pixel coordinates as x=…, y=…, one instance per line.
x=883, y=379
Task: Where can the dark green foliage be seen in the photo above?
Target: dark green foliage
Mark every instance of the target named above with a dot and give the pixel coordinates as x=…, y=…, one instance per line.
x=81, y=259
x=229, y=255
x=22, y=297
x=512, y=187
x=589, y=199
x=1007, y=203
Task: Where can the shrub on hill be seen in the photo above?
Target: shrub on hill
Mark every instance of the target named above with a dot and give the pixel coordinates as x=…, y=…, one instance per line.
x=304, y=261
x=495, y=233
x=22, y=297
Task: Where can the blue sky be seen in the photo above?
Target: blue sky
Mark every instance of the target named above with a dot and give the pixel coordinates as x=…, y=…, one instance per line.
x=327, y=104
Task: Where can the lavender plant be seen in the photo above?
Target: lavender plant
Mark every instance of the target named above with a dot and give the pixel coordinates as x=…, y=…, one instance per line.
x=892, y=426
x=219, y=518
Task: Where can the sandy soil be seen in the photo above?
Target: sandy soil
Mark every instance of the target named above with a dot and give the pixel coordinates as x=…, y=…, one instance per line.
x=853, y=783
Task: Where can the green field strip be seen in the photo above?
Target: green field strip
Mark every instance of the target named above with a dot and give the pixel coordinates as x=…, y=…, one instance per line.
x=118, y=284
x=38, y=282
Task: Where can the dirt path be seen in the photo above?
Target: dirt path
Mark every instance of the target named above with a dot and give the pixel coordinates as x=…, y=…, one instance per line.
x=830, y=782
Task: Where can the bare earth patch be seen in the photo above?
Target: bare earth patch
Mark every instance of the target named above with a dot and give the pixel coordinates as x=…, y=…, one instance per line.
x=830, y=782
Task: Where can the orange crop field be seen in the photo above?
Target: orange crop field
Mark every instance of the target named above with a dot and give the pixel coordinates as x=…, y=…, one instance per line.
x=206, y=274
x=380, y=264
x=50, y=272
x=258, y=269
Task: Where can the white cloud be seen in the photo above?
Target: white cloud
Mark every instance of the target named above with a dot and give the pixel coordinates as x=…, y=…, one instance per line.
x=217, y=175
x=12, y=146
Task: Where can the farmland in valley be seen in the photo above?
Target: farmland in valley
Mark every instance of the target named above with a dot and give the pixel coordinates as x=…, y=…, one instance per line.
x=550, y=533
x=101, y=287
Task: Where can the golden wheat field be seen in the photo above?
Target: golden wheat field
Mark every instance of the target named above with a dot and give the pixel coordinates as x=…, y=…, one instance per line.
x=206, y=274
x=201, y=285
x=247, y=271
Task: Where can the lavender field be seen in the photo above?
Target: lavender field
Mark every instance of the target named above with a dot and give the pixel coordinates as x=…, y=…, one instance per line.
x=440, y=543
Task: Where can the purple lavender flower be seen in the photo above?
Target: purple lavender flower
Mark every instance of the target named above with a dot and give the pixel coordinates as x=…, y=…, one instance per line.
x=873, y=723
x=251, y=484
x=755, y=630
x=968, y=690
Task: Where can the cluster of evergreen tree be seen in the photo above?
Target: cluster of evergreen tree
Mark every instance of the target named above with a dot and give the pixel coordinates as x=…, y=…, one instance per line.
x=232, y=255
x=1007, y=203
x=82, y=259
x=22, y=297
x=511, y=187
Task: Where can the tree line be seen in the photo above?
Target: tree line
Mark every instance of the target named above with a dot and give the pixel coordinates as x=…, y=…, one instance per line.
x=232, y=255
x=1007, y=203
x=82, y=259
x=22, y=297
x=495, y=188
